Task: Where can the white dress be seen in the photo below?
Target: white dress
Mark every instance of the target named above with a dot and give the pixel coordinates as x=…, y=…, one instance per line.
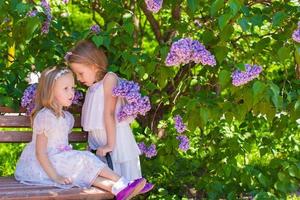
x=125, y=155
x=81, y=166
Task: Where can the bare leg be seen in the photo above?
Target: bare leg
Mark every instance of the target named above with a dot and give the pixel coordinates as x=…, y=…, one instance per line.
x=103, y=183
x=109, y=174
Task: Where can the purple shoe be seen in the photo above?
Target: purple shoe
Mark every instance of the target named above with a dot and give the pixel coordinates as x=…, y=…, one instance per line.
x=147, y=188
x=132, y=189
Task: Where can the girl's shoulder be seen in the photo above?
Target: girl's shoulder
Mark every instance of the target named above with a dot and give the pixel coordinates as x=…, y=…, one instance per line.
x=110, y=75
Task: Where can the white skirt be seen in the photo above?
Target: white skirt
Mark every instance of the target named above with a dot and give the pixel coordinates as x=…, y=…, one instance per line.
x=125, y=155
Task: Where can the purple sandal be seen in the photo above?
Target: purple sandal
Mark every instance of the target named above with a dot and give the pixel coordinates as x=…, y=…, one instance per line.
x=147, y=188
x=132, y=189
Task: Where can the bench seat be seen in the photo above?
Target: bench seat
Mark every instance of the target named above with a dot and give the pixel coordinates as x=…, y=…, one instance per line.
x=11, y=189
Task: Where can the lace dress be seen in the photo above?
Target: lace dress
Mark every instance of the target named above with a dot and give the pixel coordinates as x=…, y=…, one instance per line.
x=81, y=166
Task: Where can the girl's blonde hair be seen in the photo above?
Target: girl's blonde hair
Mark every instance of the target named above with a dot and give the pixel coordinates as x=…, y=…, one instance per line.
x=44, y=96
x=86, y=52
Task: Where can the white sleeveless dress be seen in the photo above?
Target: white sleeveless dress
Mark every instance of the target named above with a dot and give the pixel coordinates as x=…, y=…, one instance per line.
x=81, y=166
x=125, y=155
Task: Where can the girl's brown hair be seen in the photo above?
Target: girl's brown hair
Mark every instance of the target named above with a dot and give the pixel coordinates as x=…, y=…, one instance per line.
x=44, y=96
x=86, y=52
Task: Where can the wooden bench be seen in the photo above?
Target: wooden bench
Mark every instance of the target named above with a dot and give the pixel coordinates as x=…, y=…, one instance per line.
x=11, y=189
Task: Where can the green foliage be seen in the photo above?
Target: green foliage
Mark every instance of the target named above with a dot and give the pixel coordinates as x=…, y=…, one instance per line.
x=244, y=140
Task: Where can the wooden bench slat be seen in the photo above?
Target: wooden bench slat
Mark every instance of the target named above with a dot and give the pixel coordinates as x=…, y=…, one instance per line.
x=23, y=191
x=26, y=136
x=73, y=110
x=24, y=121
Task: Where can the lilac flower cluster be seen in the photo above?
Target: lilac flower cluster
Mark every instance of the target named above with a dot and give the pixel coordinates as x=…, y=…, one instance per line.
x=32, y=13
x=95, y=29
x=154, y=5
x=136, y=104
x=242, y=77
x=28, y=98
x=187, y=50
x=47, y=11
x=184, y=142
x=296, y=34
x=27, y=101
x=78, y=97
x=179, y=125
x=148, y=151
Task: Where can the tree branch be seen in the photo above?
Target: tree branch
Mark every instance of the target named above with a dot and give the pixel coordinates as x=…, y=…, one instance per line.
x=176, y=16
x=153, y=23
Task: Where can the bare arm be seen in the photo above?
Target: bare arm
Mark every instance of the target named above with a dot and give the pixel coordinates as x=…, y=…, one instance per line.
x=42, y=157
x=110, y=102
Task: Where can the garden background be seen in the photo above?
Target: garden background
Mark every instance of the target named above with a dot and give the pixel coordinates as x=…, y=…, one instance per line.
x=242, y=138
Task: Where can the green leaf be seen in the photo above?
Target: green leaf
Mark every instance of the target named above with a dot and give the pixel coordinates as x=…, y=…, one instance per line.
x=284, y=53
x=257, y=20
x=224, y=77
x=223, y=20
x=113, y=68
x=243, y=22
x=226, y=33
x=128, y=26
x=294, y=171
x=221, y=52
x=263, y=43
x=98, y=40
x=263, y=179
x=258, y=89
x=193, y=5
x=216, y=6
x=278, y=18
x=235, y=6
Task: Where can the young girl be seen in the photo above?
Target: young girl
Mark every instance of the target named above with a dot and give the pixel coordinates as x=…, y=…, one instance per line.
x=49, y=159
x=99, y=112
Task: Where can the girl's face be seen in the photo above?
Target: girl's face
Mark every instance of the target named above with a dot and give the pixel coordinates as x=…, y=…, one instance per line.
x=86, y=74
x=64, y=90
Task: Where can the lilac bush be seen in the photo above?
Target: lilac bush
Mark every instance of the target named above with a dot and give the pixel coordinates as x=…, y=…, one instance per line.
x=242, y=77
x=135, y=103
x=154, y=5
x=187, y=50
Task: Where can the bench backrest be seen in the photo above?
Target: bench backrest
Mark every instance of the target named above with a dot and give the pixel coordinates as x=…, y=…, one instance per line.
x=15, y=127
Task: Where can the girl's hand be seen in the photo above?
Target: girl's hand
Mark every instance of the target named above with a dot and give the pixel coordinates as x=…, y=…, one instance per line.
x=102, y=151
x=62, y=180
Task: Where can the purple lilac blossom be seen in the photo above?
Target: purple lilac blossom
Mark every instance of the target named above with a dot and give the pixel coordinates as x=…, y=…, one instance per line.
x=296, y=34
x=151, y=151
x=95, y=29
x=32, y=13
x=65, y=1
x=135, y=103
x=148, y=151
x=242, y=77
x=154, y=5
x=142, y=147
x=47, y=11
x=184, y=142
x=186, y=50
x=179, y=125
x=27, y=100
x=78, y=97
